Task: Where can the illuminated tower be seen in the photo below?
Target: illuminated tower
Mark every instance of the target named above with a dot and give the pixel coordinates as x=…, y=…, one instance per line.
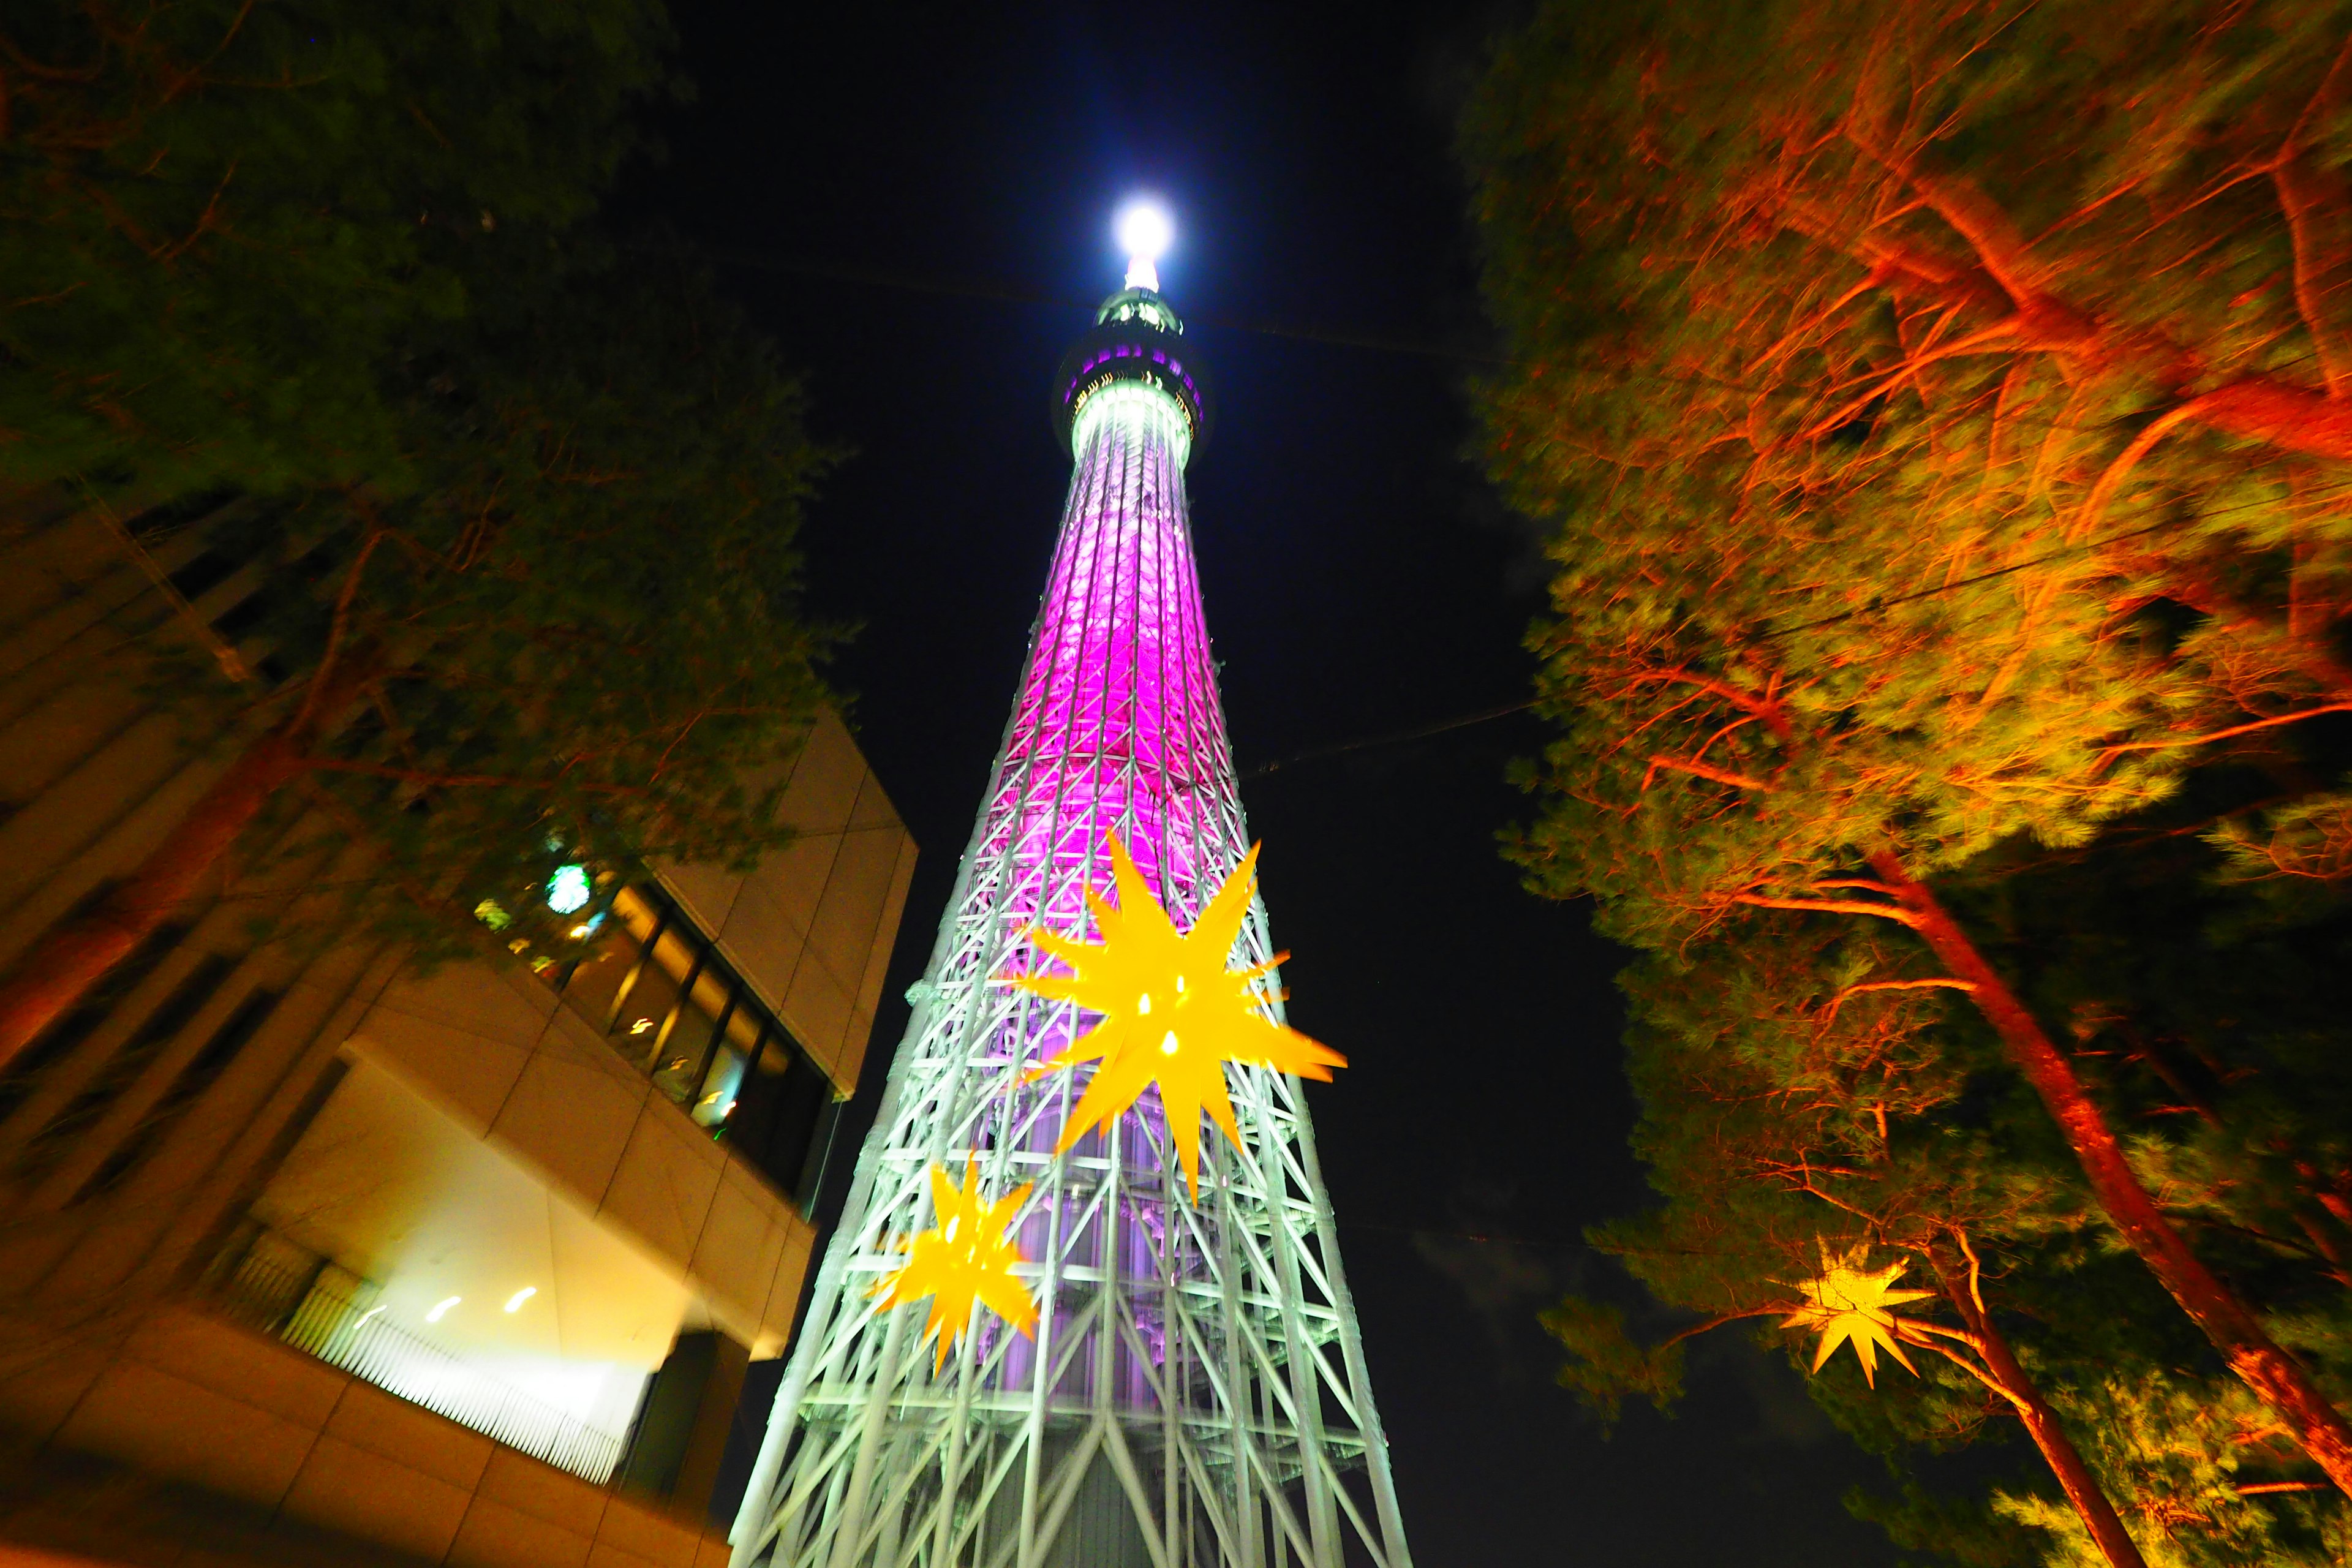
x=1195, y=1394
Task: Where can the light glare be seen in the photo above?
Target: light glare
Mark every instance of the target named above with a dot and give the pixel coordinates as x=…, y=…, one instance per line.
x=569, y=888
x=1145, y=232
x=442, y=1309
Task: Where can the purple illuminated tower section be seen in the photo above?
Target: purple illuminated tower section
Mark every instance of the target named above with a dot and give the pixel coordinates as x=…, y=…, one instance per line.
x=1195, y=1394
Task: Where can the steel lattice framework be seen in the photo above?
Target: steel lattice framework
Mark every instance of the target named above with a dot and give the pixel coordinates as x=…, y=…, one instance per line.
x=1196, y=1393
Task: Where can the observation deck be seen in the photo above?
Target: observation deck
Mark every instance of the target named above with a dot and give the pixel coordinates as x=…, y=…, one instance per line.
x=1137, y=337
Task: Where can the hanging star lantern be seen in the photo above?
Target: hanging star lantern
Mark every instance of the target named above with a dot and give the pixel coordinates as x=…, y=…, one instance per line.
x=1849, y=1301
x=1172, y=1012
x=965, y=1259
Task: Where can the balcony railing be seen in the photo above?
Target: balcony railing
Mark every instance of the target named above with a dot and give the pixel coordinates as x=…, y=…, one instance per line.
x=296, y=1305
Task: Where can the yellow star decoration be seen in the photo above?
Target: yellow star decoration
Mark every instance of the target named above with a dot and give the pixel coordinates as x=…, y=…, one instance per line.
x=1848, y=1301
x=1173, y=1014
x=965, y=1258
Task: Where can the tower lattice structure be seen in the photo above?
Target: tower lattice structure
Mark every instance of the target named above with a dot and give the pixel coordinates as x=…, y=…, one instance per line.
x=1195, y=1394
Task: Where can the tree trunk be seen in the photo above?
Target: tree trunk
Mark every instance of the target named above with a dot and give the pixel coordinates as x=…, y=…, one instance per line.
x=2090, y=1499
x=60, y=969
x=2270, y=1372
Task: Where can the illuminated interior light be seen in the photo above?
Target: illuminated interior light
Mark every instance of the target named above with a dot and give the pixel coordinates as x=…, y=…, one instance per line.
x=515, y=1302
x=491, y=914
x=1144, y=232
x=582, y=929
x=567, y=889
x=641, y=1026
x=441, y=1308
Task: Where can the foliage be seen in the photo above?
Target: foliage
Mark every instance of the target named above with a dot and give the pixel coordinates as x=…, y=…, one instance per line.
x=576, y=637
x=525, y=517
x=223, y=217
x=1940, y=414
x=2177, y=1448
x=1605, y=1365
x=1863, y=502
x=1762, y=1109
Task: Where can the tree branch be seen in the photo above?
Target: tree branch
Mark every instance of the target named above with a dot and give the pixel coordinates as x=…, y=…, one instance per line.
x=2094, y=507
x=1941, y=983
x=1828, y=907
x=2319, y=222
x=1775, y=719
x=2234, y=731
x=459, y=781
x=339, y=627
x=1700, y=769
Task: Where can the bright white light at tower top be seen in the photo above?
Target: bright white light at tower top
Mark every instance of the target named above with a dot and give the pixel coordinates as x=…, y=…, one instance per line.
x=1144, y=231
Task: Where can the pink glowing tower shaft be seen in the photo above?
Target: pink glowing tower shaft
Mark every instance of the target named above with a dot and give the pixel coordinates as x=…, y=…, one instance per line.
x=1195, y=1395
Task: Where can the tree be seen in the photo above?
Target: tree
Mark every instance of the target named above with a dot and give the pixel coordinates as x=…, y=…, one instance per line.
x=1887, y=533
x=223, y=217
x=1798, y=1122
x=573, y=638
x=1799, y=1128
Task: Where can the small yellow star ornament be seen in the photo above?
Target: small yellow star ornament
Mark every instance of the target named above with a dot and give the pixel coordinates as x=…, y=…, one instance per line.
x=1848, y=1301
x=964, y=1260
x=1173, y=1014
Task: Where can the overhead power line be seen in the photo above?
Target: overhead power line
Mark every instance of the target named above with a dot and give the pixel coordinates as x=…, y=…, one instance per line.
x=1397, y=739
x=2061, y=553
x=1018, y=294
x=1486, y=714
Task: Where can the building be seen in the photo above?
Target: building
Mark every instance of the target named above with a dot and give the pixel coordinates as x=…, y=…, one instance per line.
x=309, y=1258
x=1195, y=1394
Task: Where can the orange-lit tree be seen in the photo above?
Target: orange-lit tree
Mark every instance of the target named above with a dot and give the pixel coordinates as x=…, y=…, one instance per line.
x=1940, y=411
x=1797, y=1120
x=1828, y=1162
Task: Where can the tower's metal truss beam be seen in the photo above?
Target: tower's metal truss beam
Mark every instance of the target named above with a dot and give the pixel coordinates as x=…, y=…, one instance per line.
x=1195, y=1396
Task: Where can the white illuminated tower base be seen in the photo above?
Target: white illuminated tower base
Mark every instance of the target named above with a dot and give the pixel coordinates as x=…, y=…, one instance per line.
x=1195, y=1395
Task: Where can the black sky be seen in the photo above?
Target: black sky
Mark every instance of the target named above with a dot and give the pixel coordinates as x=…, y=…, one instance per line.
x=1360, y=581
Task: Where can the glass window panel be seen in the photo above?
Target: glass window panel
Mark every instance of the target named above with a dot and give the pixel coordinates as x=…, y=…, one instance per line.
x=722, y=1085
x=637, y=1029
x=686, y=1046
x=597, y=980
x=813, y=1163
x=800, y=1103
x=758, y=1095
x=744, y=1024
x=682, y=1014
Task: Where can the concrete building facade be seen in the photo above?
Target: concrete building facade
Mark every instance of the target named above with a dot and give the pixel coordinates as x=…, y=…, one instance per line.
x=308, y=1257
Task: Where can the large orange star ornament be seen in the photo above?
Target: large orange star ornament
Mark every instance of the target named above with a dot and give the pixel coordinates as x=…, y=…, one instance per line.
x=964, y=1260
x=1172, y=1012
x=1848, y=1301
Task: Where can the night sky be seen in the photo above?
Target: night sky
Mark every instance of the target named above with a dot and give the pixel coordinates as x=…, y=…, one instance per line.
x=915, y=200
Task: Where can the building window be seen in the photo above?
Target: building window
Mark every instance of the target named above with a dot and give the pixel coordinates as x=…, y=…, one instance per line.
x=668, y=1001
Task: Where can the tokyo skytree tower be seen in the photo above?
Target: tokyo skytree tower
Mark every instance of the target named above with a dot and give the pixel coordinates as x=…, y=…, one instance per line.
x=1194, y=1395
